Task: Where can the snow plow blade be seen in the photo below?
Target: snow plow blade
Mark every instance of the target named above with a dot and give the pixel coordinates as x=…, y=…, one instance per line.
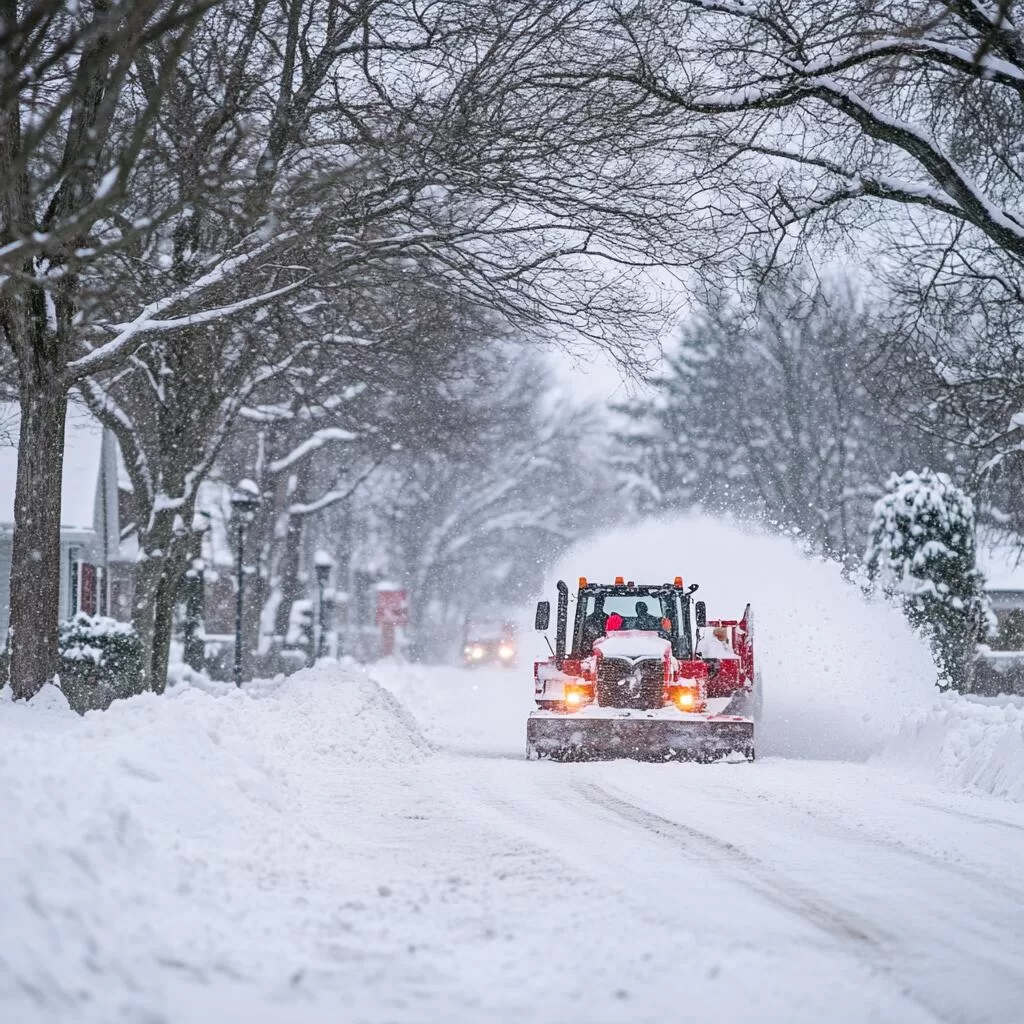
x=569, y=738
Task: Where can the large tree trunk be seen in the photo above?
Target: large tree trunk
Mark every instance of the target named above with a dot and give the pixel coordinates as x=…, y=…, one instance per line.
x=35, y=557
x=166, y=598
x=35, y=554
x=158, y=576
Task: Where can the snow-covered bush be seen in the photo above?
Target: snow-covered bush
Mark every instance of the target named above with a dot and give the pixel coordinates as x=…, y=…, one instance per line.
x=921, y=551
x=101, y=660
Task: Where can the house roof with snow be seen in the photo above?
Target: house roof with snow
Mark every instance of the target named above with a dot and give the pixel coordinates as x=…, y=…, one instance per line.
x=81, y=490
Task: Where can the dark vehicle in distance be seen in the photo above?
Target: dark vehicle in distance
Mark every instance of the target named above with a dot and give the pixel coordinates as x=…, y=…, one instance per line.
x=489, y=643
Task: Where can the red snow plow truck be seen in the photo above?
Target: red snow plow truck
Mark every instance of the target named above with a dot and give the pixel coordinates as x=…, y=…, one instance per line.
x=629, y=676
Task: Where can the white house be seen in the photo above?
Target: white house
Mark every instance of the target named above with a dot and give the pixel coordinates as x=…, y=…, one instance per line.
x=90, y=534
x=1002, y=562
x=1000, y=666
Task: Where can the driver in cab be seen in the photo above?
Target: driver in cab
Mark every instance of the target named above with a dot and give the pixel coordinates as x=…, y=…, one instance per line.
x=643, y=619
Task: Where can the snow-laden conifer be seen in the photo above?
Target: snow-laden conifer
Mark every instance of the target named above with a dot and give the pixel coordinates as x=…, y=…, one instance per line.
x=921, y=551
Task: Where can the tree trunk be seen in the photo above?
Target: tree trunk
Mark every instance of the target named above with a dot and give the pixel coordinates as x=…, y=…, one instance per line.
x=146, y=582
x=288, y=583
x=163, y=622
x=194, y=588
x=157, y=578
x=287, y=542
x=36, y=565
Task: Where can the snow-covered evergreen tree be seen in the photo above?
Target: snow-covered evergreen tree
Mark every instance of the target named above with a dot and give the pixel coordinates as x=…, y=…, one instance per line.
x=921, y=550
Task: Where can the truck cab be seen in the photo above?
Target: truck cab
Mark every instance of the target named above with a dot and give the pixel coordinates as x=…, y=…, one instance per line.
x=640, y=647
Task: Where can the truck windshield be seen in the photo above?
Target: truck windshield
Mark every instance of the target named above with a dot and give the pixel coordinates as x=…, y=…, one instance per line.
x=648, y=615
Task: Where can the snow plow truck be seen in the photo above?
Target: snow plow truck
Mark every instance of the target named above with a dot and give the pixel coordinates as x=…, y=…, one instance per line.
x=630, y=676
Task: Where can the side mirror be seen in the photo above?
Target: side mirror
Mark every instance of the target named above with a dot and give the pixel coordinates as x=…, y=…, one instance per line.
x=700, y=611
x=543, y=617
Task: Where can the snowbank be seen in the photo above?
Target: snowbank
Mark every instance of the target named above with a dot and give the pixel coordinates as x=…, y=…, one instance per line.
x=840, y=672
x=966, y=743
x=147, y=845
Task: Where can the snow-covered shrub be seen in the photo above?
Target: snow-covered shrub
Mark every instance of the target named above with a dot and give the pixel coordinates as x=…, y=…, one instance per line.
x=101, y=660
x=921, y=551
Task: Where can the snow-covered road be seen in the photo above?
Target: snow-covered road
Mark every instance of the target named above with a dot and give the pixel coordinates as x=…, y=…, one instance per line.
x=301, y=855
x=787, y=890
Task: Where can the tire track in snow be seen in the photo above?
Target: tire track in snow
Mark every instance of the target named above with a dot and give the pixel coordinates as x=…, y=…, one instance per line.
x=1000, y=886
x=755, y=875
x=862, y=939
x=978, y=819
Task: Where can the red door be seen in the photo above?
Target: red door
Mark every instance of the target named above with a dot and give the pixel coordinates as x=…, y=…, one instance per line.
x=87, y=591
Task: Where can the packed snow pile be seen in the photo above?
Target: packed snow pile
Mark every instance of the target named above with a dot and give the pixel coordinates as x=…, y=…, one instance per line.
x=840, y=672
x=335, y=710
x=141, y=844
x=966, y=743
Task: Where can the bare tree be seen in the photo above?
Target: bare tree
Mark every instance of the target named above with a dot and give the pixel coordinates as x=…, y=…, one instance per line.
x=369, y=141
x=886, y=128
x=71, y=134
x=803, y=108
x=398, y=393
x=473, y=525
x=768, y=413
x=956, y=375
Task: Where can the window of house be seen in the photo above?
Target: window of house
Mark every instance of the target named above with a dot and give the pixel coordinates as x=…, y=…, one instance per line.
x=1009, y=634
x=72, y=582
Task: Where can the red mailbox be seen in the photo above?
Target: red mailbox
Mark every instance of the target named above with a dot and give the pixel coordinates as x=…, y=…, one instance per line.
x=392, y=613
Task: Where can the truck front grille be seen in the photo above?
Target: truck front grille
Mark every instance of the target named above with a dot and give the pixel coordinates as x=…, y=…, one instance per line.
x=639, y=684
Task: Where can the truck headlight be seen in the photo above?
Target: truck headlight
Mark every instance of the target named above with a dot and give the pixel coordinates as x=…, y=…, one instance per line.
x=575, y=694
x=506, y=651
x=686, y=698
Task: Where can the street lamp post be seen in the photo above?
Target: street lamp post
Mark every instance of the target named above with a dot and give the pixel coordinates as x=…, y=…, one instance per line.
x=323, y=564
x=244, y=503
